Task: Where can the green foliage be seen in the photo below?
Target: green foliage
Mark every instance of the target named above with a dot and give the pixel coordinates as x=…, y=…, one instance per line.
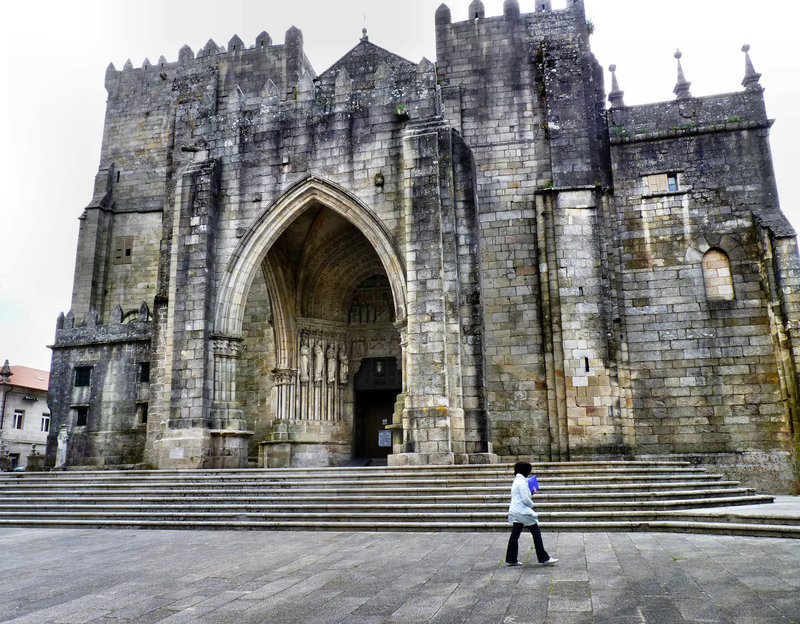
x=590, y=26
x=619, y=130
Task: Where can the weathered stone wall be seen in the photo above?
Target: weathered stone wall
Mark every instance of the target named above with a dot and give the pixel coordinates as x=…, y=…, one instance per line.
x=704, y=371
x=114, y=433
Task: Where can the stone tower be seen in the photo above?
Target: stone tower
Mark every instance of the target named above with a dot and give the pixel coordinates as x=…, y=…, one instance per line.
x=456, y=262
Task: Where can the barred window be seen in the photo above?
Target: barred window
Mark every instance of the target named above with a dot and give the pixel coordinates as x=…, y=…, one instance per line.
x=83, y=376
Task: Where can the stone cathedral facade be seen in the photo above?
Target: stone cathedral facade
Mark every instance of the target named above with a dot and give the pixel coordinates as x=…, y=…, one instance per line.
x=465, y=261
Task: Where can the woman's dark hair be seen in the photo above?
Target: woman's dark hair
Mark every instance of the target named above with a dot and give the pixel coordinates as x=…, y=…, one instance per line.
x=523, y=468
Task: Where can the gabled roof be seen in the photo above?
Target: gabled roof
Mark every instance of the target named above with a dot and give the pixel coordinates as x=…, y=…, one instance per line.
x=31, y=378
x=361, y=63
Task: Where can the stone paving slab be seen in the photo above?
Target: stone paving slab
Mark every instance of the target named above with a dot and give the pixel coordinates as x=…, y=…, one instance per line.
x=62, y=576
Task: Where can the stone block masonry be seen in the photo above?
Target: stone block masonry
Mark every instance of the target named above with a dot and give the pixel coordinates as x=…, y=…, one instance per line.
x=419, y=262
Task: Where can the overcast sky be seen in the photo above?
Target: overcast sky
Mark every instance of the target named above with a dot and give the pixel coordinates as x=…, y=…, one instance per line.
x=52, y=99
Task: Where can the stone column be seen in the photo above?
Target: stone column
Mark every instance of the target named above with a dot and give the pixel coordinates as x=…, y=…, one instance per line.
x=188, y=360
x=432, y=371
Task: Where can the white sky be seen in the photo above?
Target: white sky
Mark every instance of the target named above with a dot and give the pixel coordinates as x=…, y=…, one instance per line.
x=52, y=99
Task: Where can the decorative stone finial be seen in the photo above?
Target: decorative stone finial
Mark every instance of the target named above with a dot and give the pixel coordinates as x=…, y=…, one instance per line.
x=681, y=89
x=270, y=92
x=127, y=66
x=443, y=15
x=146, y=64
x=364, y=34
x=511, y=9
x=306, y=90
x=476, y=10
x=751, y=76
x=615, y=97
x=343, y=87
x=144, y=312
x=5, y=373
x=117, y=314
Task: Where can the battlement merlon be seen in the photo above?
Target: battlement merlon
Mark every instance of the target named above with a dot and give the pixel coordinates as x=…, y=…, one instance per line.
x=283, y=64
x=540, y=23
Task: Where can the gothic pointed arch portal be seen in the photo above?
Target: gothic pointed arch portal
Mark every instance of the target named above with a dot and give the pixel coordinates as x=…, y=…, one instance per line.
x=314, y=289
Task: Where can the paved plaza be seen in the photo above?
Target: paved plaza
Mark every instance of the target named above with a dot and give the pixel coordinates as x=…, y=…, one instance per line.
x=71, y=576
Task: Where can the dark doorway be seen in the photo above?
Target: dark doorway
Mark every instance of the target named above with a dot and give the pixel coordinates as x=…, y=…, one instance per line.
x=377, y=384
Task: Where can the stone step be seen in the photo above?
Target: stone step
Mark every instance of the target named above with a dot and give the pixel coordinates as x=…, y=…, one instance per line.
x=442, y=494
x=290, y=490
x=488, y=518
x=500, y=470
x=671, y=526
x=277, y=477
x=244, y=506
x=576, y=496
x=500, y=482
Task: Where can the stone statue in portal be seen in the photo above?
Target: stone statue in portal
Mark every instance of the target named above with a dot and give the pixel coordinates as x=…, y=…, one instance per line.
x=343, y=364
x=319, y=362
x=305, y=360
x=330, y=356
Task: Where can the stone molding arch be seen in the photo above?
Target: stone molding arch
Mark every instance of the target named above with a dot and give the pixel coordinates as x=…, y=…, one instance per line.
x=271, y=223
x=702, y=243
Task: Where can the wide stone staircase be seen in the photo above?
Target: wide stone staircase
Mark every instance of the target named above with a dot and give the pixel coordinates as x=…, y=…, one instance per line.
x=574, y=496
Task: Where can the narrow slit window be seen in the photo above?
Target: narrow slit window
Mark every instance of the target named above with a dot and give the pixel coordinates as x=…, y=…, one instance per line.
x=81, y=415
x=586, y=363
x=144, y=372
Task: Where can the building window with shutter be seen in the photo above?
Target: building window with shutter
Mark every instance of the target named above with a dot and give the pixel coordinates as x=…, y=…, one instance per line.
x=123, y=249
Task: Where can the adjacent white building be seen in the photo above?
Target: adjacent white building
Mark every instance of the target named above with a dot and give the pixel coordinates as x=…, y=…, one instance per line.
x=24, y=415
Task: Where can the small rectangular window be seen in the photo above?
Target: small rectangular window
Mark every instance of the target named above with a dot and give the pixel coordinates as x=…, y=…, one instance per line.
x=123, y=249
x=19, y=418
x=81, y=415
x=672, y=182
x=45, y=423
x=144, y=372
x=662, y=183
x=83, y=376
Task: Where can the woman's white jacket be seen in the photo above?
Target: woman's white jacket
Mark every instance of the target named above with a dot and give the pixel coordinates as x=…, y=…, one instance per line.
x=521, y=508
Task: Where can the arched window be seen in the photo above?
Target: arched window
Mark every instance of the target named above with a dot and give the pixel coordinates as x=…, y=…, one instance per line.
x=717, y=275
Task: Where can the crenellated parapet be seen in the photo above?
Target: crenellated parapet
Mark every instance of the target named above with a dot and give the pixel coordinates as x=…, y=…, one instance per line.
x=132, y=325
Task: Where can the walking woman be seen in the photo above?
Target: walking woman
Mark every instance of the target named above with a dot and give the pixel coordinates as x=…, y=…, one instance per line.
x=521, y=514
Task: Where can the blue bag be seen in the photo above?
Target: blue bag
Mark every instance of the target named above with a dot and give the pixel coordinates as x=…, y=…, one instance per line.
x=533, y=484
